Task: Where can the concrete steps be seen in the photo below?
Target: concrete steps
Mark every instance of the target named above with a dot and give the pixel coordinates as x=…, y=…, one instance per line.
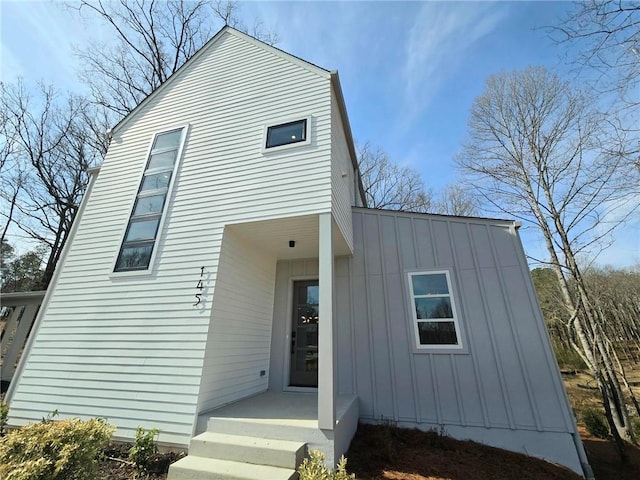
x=201, y=468
x=222, y=456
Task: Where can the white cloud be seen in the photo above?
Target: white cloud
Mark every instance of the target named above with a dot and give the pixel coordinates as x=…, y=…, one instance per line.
x=439, y=44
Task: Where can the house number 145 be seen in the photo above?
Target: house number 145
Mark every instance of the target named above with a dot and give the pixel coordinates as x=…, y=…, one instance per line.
x=199, y=288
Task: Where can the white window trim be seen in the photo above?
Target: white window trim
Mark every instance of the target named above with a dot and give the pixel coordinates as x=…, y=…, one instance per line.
x=288, y=146
x=169, y=199
x=461, y=347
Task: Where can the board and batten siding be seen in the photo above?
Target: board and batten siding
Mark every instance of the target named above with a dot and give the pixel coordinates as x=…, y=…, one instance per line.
x=131, y=348
x=505, y=391
x=236, y=362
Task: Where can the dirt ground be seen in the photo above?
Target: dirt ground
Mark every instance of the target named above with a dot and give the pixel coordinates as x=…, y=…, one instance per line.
x=412, y=455
x=385, y=453
x=605, y=461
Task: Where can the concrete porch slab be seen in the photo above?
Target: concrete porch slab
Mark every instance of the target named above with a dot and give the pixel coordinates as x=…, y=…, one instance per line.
x=286, y=416
x=294, y=409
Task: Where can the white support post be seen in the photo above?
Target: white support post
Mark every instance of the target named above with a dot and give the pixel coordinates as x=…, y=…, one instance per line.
x=326, y=373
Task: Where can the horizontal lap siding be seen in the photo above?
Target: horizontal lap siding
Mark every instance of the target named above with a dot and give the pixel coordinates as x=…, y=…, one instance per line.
x=507, y=380
x=342, y=175
x=132, y=348
x=240, y=335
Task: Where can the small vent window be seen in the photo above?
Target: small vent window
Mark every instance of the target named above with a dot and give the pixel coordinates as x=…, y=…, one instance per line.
x=148, y=210
x=286, y=133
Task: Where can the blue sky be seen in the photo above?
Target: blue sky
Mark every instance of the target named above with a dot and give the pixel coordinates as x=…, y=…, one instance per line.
x=409, y=70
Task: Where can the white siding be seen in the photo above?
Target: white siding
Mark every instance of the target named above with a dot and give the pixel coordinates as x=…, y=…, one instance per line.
x=509, y=377
x=506, y=391
x=131, y=348
x=342, y=175
x=239, y=339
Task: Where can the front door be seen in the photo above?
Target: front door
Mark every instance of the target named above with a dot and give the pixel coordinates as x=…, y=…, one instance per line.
x=304, y=335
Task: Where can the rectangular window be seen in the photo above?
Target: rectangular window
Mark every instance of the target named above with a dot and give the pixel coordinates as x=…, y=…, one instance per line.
x=433, y=310
x=286, y=133
x=146, y=216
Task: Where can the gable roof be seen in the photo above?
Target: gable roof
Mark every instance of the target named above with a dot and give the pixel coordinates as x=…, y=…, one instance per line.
x=330, y=75
x=215, y=39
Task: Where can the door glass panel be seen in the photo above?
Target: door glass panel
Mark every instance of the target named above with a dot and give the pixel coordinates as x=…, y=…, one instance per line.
x=312, y=294
x=304, y=335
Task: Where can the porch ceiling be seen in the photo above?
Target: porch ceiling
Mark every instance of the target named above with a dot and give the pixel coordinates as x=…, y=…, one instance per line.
x=274, y=236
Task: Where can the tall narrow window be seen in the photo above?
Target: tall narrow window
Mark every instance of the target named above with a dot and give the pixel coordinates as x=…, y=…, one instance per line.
x=142, y=230
x=434, y=313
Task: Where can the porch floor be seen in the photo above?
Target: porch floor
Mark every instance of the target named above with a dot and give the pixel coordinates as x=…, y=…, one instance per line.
x=293, y=409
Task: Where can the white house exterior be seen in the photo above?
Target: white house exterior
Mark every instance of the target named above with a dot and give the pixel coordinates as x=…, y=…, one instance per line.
x=223, y=268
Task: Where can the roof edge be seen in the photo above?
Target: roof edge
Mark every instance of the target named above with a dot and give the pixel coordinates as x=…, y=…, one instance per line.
x=226, y=29
x=496, y=221
x=335, y=82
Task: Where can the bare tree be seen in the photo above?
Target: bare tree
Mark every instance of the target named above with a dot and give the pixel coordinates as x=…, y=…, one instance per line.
x=606, y=37
x=535, y=152
x=11, y=176
x=390, y=186
x=52, y=149
x=454, y=199
x=153, y=40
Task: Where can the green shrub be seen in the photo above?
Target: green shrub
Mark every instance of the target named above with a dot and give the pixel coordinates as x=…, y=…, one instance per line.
x=61, y=450
x=313, y=468
x=635, y=426
x=4, y=415
x=595, y=423
x=144, y=449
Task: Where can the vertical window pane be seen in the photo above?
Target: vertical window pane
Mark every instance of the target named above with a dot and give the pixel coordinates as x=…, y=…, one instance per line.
x=312, y=294
x=162, y=160
x=156, y=182
x=168, y=140
x=439, y=307
x=148, y=205
x=432, y=284
x=142, y=230
x=134, y=258
x=437, y=333
x=144, y=222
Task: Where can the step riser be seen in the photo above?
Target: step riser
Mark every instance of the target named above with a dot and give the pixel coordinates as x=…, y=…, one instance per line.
x=185, y=470
x=265, y=430
x=258, y=455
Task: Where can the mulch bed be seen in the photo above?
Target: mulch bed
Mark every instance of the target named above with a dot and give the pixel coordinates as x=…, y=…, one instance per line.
x=388, y=453
x=115, y=464
x=384, y=452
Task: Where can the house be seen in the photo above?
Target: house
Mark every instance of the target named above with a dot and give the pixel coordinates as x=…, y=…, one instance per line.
x=224, y=281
